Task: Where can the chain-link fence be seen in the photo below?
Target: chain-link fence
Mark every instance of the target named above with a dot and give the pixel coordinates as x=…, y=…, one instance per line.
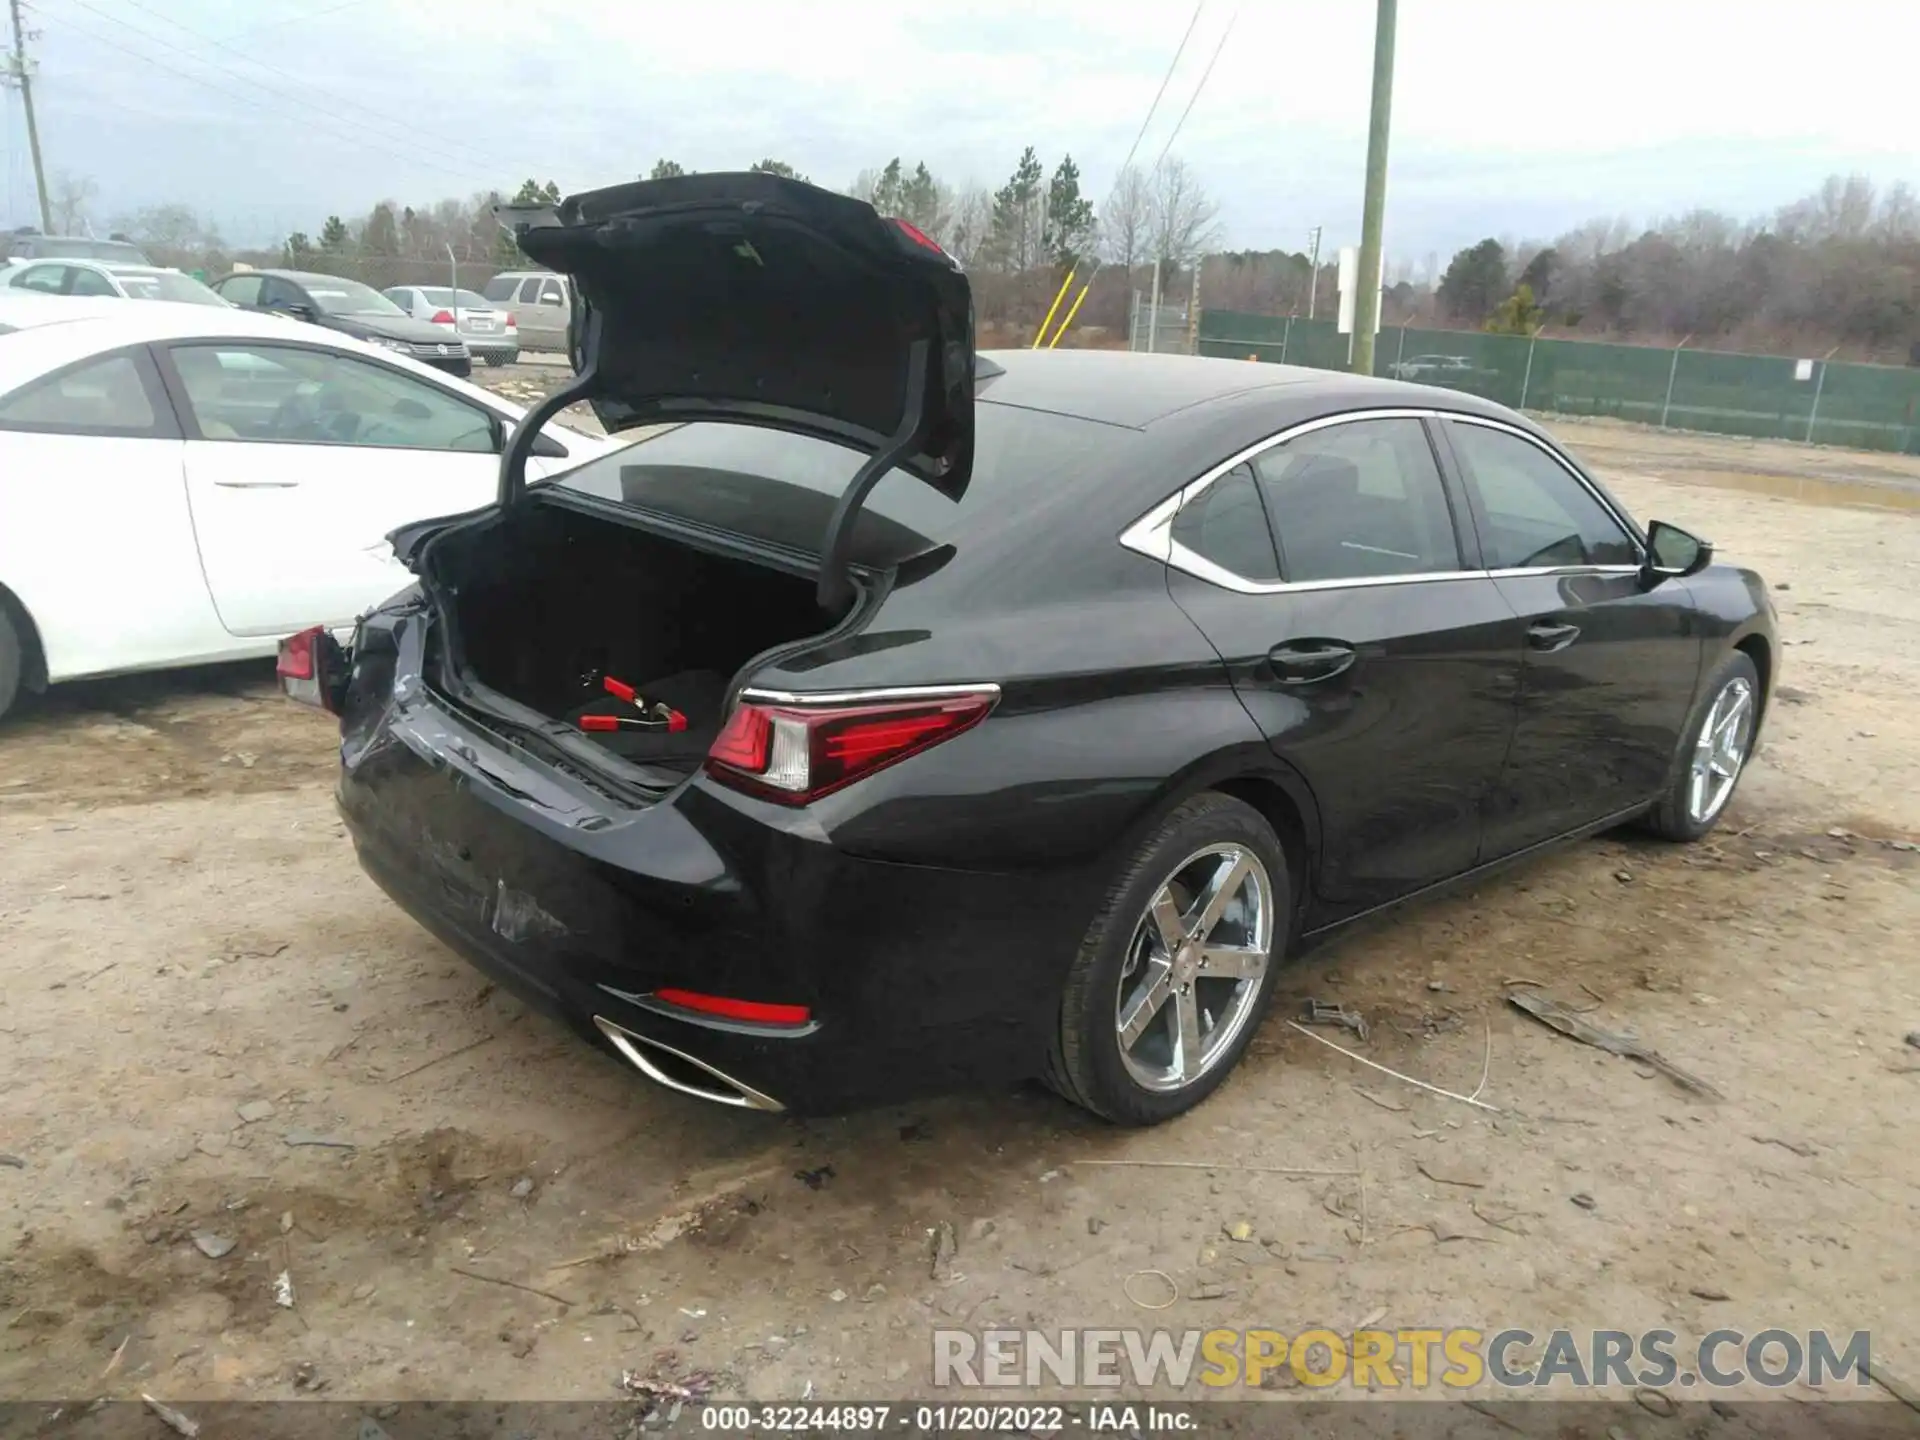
x=1165, y=329
x=1868, y=407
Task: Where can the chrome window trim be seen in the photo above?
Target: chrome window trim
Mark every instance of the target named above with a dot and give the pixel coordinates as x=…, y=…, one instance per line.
x=880, y=695
x=1626, y=525
x=1152, y=534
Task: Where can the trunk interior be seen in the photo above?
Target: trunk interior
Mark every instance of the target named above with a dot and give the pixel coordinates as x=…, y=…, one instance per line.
x=551, y=604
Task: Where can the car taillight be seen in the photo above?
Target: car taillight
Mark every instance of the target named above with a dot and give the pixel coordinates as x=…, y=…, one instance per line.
x=795, y=754
x=513, y=322
x=442, y=317
x=311, y=668
x=917, y=235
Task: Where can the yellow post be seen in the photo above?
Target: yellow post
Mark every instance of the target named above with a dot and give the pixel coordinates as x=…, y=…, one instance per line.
x=1052, y=308
x=1072, y=311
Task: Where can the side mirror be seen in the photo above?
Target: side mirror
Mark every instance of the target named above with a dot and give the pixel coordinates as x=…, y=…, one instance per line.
x=1673, y=554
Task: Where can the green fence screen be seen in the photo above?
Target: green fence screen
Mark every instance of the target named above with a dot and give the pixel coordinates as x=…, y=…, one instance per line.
x=1868, y=407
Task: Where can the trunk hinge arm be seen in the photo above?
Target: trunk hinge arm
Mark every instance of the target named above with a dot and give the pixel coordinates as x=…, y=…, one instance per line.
x=513, y=458
x=836, y=586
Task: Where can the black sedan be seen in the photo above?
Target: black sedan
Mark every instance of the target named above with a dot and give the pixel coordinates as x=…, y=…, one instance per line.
x=902, y=719
x=338, y=303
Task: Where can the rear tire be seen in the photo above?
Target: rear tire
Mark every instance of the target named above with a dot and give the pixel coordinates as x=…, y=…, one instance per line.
x=1119, y=1053
x=13, y=656
x=1709, y=766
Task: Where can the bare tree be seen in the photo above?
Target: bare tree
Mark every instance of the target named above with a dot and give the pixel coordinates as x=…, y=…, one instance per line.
x=1128, y=221
x=1185, y=222
x=70, y=198
x=972, y=218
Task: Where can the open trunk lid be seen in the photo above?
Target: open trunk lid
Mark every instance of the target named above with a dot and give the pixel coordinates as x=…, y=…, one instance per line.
x=761, y=300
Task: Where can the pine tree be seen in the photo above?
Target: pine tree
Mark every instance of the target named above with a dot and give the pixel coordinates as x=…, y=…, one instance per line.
x=1070, y=220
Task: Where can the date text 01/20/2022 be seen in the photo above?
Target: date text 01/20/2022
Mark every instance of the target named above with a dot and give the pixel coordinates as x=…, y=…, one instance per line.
x=945, y=1419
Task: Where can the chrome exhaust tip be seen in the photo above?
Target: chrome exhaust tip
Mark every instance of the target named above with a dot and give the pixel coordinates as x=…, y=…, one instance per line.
x=645, y=1055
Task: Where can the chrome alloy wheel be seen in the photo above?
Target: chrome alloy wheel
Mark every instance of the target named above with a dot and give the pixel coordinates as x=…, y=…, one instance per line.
x=1721, y=750
x=1194, y=967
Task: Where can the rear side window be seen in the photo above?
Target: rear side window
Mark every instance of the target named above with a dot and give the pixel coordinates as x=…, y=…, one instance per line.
x=108, y=396
x=1358, y=501
x=47, y=279
x=1227, y=526
x=90, y=282
x=530, y=291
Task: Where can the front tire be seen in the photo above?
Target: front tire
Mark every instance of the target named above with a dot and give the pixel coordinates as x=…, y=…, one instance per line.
x=1714, y=754
x=1177, y=967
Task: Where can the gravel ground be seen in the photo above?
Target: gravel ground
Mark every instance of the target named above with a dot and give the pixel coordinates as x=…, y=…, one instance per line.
x=229, y=1056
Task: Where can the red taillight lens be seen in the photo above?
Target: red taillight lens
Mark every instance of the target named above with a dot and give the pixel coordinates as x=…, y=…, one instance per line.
x=796, y=754
x=310, y=667
x=443, y=317
x=917, y=235
x=513, y=322
x=754, y=1012
x=296, y=656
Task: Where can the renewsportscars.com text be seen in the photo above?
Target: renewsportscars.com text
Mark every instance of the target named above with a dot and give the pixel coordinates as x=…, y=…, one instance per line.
x=1414, y=1359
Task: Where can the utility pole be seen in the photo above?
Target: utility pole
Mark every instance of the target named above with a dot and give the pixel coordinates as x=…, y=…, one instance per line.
x=1313, y=270
x=17, y=71
x=1373, y=214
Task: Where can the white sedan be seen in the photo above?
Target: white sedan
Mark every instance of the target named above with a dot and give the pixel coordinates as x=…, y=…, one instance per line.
x=181, y=484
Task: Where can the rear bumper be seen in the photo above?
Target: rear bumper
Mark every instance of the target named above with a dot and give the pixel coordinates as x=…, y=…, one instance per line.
x=918, y=979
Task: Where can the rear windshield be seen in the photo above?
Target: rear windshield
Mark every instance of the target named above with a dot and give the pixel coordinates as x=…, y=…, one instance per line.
x=501, y=287
x=780, y=487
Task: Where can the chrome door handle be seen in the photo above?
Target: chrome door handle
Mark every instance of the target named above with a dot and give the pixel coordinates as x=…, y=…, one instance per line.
x=1305, y=661
x=1542, y=636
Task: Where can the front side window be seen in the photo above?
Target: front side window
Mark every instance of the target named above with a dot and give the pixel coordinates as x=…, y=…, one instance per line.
x=1536, y=514
x=530, y=291
x=314, y=397
x=240, y=289
x=1226, y=526
x=1357, y=501
x=105, y=396
x=552, y=294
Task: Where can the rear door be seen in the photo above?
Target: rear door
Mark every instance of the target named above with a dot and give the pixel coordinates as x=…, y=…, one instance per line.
x=299, y=460
x=95, y=534
x=1331, y=574
x=1610, y=667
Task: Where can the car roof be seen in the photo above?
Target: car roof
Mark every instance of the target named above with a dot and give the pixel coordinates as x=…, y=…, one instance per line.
x=1120, y=387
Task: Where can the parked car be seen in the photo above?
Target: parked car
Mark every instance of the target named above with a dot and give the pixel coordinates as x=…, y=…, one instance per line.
x=907, y=719
x=184, y=483
x=31, y=245
x=1434, y=369
x=491, y=334
x=348, y=307
x=541, y=301
x=108, y=278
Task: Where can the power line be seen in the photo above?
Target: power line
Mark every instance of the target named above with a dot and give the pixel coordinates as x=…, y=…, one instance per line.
x=298, y=19
x=1159, y=94
x=407, y=125
x=1205, y=75
x=333, y=119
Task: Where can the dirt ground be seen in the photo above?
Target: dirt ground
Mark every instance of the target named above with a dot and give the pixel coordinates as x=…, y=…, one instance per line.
x=219, y=1037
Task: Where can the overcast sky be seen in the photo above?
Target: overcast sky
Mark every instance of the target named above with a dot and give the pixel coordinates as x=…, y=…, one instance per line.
x=1511, y=117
